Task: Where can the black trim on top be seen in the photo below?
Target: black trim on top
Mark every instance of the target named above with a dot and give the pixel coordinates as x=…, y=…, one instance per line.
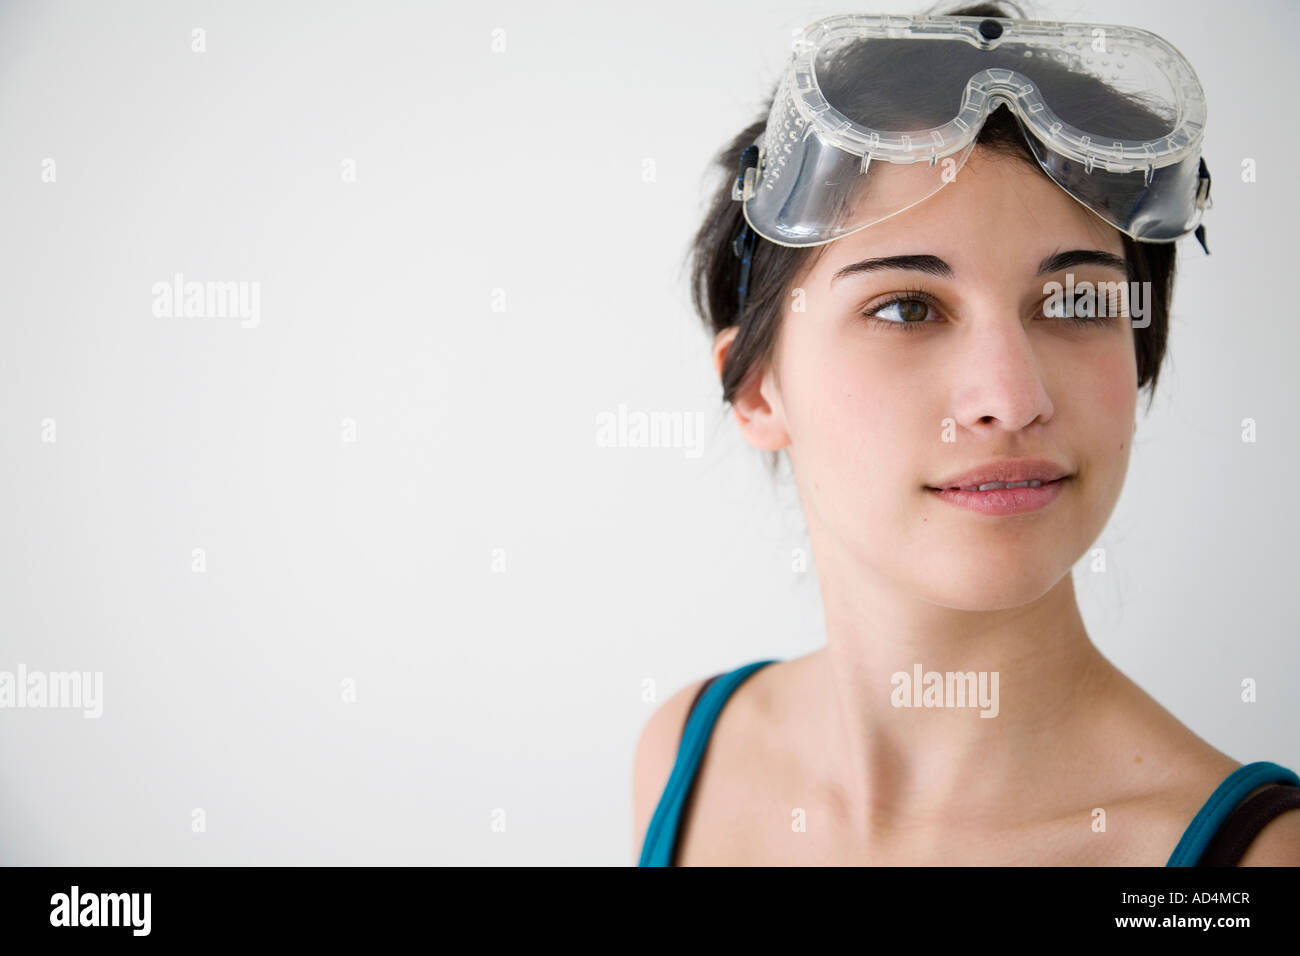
x=1234, y=836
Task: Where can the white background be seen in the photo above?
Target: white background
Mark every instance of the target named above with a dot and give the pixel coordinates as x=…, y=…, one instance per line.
x=371, y=561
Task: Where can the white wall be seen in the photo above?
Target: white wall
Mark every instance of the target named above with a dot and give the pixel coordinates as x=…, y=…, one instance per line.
x=523, y=171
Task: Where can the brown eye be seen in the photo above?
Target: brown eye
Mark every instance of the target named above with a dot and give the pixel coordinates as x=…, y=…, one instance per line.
x=912, y=310
x=904, y=312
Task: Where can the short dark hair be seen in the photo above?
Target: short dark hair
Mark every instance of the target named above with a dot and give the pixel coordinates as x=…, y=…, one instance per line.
x=715, y=270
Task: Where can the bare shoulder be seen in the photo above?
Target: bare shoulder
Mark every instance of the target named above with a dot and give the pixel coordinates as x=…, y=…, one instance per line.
x=1276, y=844
x=1201, y=768
x=1158, y=771
x=656, y=752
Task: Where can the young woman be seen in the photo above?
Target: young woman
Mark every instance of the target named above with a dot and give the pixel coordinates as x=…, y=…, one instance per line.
x=892, y=326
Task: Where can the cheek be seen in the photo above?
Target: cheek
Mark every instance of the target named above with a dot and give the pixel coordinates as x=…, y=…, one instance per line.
x=848, y=401
x=858, y=422
x=1102, y=396
x=1096, y=406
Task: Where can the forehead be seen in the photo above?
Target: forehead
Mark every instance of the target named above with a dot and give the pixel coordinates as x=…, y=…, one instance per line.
x=1000, y=215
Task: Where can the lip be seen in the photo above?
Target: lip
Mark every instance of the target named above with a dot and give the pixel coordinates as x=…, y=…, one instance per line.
x=1006, y=470
x=1004, y=501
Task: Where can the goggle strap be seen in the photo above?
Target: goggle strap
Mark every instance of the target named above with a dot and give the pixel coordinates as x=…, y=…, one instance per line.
x=1202, y=200
x=743, y=245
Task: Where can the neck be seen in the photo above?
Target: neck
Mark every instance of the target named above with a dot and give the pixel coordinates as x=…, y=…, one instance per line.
x=891, y=763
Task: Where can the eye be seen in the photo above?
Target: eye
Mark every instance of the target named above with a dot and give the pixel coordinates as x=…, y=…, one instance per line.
x=912, y=308
x=1083, y=310
x=905, y=311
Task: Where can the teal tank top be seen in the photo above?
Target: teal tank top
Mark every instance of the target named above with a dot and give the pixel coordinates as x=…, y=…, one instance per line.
x=1224, y=825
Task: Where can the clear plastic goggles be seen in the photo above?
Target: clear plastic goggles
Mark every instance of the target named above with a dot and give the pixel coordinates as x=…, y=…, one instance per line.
x=877, y=113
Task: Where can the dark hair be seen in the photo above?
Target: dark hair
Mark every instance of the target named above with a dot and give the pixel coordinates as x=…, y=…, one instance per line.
x=715, y=270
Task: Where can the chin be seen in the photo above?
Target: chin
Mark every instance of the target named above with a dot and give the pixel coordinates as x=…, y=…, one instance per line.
x=974, y=586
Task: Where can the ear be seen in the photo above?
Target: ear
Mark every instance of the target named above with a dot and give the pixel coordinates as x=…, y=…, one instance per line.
x=757, y=403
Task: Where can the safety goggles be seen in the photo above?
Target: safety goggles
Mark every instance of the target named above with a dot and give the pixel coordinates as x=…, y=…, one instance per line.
x=875, y=114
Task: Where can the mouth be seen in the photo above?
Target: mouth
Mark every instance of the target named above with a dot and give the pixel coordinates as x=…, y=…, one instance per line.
x=1000, y=485
x=1003, y=498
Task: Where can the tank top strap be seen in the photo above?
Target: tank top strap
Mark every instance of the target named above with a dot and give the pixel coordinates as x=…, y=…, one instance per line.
x=1239, y=830
x=695, y=702
x=1211, y=818
x=661, y=838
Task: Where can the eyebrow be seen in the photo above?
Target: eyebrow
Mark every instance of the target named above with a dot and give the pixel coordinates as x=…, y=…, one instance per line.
x=933, y=265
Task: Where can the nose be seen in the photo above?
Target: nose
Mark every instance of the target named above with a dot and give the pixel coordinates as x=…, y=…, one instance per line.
x=999, y=382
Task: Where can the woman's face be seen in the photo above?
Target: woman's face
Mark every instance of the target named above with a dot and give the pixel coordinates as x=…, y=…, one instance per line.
x=873, y=414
